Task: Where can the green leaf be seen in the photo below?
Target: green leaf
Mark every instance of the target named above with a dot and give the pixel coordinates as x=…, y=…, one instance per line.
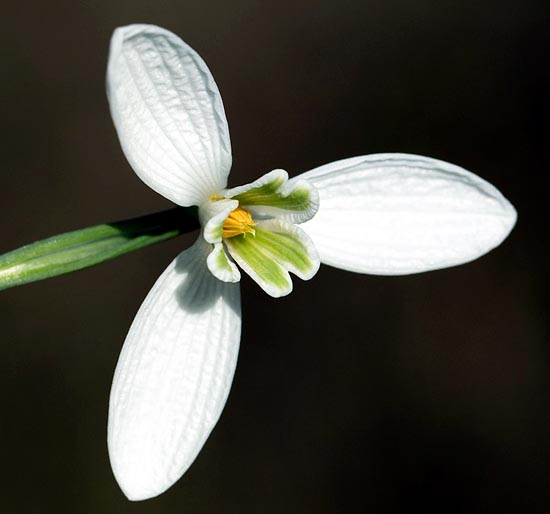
x=87, y=247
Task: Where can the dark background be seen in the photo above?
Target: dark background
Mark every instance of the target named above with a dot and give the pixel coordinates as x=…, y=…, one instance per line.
x=381, y=395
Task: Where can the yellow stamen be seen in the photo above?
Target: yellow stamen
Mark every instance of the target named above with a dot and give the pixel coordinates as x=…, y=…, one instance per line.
x=238, y=222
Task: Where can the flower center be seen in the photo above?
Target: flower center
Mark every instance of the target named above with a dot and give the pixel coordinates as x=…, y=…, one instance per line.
x=238, y=222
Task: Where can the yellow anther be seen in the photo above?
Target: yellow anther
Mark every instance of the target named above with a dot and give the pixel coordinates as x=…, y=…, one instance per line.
x=238, y=222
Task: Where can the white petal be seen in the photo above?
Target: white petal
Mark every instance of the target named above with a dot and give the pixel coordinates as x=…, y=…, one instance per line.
x=212, y=215
x=173, y=375
x=221, y=266
x=168, y=114
x=392, y=214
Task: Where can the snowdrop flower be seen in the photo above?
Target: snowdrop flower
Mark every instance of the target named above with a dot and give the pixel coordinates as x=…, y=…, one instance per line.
x=386, y=214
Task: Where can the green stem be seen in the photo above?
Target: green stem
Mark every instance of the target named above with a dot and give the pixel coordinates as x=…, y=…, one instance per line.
x=87, y=247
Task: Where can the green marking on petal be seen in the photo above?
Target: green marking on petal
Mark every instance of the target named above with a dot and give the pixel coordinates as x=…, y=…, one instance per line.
x=254, y=194
x=221, y=266
x=215, y=232
x=222, y=262
x=285, y=248
x=297, y=200
x=277, y=248
x=269, y=274
x=273, y=195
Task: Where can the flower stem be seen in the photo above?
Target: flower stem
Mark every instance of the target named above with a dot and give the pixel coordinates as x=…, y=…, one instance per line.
x=87, y=247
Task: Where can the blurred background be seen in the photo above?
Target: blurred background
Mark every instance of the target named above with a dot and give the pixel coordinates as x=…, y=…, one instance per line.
x=425, y=393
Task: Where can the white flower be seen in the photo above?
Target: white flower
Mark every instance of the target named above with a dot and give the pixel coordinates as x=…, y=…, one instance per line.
x=385, y=214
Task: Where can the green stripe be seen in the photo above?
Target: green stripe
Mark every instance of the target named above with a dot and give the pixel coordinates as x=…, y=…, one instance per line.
x=285, y=248
x=267, y=270
x=271, y=254
x=268, y=195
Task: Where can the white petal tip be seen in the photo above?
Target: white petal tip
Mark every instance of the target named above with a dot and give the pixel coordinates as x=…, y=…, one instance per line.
x=508, y=222
x=511, y=218
x=137, y=480
x=136, y=487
